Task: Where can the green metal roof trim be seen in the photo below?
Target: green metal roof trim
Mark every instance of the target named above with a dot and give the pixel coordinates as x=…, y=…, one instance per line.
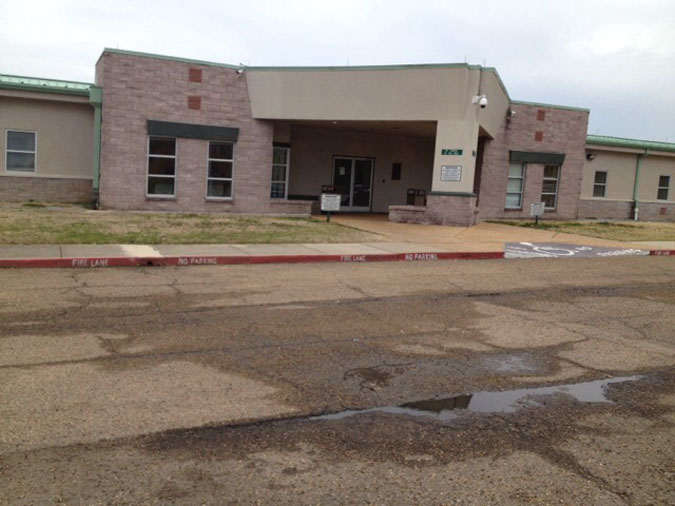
x=44, y=85
x=550, y=106
x=620, y=142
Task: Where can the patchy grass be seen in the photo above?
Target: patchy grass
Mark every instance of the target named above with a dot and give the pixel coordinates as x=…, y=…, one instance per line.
x=71, y=224
x=615, y=230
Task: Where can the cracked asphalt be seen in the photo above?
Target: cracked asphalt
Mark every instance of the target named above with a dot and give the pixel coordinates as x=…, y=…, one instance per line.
x=197, y=385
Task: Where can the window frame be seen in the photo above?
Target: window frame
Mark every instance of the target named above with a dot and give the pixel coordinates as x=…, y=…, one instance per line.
x=557, y=187
x=286, y=166
x=600, y=185
x=522, y=187
x=34, y=152
x=208, y=178
x=175, y=169
x=661, y=187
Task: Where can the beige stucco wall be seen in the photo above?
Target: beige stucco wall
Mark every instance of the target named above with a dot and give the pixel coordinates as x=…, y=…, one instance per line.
x=407, y=94
x=395, y=94
x=312, y=151
x=652, y=167
x=620, y=167
x=64, y=135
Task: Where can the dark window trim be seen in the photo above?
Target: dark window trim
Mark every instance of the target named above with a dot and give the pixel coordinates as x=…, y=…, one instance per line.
x=192, y=131
x=537, y=157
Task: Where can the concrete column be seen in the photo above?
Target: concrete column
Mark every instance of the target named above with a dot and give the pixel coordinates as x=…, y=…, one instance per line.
x=455, y=135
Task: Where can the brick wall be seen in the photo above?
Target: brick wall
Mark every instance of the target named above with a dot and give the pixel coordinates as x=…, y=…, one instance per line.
x=554, y=131
x=452, y=210
x=45, y=189
x=605, y=209
x=136, y=89
x=656, y=211
x=623, y=210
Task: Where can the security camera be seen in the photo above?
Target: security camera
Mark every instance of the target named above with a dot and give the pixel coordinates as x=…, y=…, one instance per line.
x=240, y=71
x=481, y=100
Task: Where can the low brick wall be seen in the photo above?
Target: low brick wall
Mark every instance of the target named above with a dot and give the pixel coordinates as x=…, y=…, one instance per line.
x=452, y=210
x=291, y=207
x=622, y=210
x=605, y=209
x=408, y=214
x=656, y=211
x=44, y=189
x=456, y=210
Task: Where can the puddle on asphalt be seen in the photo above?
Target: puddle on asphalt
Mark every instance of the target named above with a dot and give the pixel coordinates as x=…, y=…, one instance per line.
x=507, y=401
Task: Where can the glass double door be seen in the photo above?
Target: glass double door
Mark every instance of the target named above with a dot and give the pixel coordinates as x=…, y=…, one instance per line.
x=353, y=179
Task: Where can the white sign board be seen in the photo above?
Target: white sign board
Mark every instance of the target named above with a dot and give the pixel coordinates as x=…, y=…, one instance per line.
x=537, y=209
x=330, y=201
x=451, y=172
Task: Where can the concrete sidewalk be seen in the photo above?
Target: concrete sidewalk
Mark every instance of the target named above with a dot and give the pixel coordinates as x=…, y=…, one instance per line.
x=400, y=242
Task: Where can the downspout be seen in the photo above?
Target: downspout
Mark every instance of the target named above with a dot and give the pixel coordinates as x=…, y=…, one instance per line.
x=96, y=100
x=636, y=185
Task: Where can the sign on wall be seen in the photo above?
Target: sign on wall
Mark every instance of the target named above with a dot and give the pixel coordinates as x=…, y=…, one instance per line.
x=451, y=172
x=450, y=151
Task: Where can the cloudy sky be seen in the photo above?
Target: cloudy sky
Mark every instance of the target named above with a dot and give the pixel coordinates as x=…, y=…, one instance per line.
x=615, y=57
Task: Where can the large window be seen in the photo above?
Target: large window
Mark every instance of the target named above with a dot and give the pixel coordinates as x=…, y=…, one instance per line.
x=549, y=188
x=600, y=183
x=161, y=166
x=664, y=183
x=20, y=148
x=514, y=189
x=220, y=167
x=280, y=161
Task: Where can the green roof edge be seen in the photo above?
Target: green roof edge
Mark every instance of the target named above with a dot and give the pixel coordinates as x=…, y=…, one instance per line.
x=80, y=88
x=621, y=142
x=551, y=106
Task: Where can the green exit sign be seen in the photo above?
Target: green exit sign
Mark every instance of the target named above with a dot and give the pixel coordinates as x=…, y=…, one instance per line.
x=448, y=151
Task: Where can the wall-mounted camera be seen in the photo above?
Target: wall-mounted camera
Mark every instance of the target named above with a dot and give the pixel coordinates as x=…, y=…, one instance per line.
x=481, y=100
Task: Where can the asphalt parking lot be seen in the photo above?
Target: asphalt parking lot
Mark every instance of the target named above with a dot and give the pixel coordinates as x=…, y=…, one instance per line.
x=406, y=383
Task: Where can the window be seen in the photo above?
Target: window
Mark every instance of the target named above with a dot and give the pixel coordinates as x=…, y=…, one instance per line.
x=220, y=165
x=161, y=166
x=549, y=189
x=664, y=183
x=396, y=171
x=600, y=183
x=280, y=159
x=514, y=188
x=20, y=151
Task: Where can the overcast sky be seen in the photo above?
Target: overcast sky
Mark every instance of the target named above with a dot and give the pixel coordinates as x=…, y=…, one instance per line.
x=615, y=57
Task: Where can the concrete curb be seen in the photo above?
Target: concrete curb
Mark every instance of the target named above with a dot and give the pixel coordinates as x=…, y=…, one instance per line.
x=239, y=260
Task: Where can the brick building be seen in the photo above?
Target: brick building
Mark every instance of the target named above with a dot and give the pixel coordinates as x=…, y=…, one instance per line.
x=425, y=143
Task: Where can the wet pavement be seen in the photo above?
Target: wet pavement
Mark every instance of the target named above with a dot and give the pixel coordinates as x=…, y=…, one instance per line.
x=507, y=401
x=520, y=382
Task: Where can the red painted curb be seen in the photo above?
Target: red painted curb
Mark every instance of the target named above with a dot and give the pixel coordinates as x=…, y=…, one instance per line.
x=663, y=252
x=240, y=260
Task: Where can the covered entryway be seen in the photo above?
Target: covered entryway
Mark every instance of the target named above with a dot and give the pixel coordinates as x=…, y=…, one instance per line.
x=353, y=179
x=372, y=164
